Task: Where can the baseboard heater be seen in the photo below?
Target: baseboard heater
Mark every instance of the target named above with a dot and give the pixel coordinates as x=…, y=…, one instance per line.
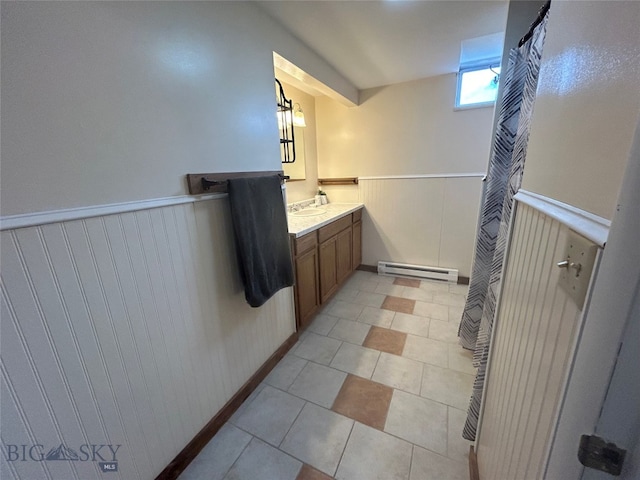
x=418, y=271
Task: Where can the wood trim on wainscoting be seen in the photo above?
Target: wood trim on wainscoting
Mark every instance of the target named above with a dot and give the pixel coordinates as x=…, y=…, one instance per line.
x=188, y=453
x=338, y=181
x=474, y=473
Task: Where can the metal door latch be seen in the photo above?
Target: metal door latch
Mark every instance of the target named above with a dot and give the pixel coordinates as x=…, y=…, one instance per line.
x=595, y=452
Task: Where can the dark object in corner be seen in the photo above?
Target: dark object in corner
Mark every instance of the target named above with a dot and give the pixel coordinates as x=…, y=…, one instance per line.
x=262, y=239
x=541, y=13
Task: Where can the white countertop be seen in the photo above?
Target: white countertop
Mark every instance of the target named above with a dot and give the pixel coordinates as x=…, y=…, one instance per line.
x=299, y=226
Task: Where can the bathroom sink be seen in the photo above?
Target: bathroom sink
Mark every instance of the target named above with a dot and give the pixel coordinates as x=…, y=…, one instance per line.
x=308, y=212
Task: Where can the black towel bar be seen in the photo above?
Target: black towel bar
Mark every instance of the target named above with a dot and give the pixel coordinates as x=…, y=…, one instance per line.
x=199, y=183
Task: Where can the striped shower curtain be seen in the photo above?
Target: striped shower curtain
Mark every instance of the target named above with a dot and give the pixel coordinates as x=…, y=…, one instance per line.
x=503, y=181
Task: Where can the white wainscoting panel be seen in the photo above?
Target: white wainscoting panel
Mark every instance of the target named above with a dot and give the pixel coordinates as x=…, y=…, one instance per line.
x=532, y=347
x=421, y=220
x=127, y=329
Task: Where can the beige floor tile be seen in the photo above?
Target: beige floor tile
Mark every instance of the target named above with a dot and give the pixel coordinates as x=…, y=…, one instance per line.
x=350, y=331
x=407, y=282
x=418, y=420
x=348, y=310
x=355, y=359
x=318, y=384
x=371, y=454
x=376, y=316
x=270, y=415
x=369, y=298
x=386, y=279
x=366, y=285
x=432, y=310
x=457, y=446
x=283, y=375
x=318, y=437
x=455, y=314
x=446, y=298
x=398, y=372
x=404, y=322
x=430, y=372
x=434, y=286
x=459, y=289
x=417, y=294
x=260, y=460
x=217, y=457
x=461, y=359
x=427, y=465
x=317, y=348
x=322, y=324
x=347, y=293
x=447, y=386
x=247, y=402
x=443, y=331
x=427, y=350
x=389, y=289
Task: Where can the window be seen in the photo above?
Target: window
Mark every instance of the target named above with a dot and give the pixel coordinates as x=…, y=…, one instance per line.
x=477, y=86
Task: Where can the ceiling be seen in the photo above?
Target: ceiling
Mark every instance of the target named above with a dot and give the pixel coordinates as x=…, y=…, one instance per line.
x=375, y=43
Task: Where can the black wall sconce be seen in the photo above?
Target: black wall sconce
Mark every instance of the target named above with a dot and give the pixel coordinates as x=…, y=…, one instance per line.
x=285, y=124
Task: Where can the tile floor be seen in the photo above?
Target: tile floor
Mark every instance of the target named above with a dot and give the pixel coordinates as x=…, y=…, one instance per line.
x=376, y=388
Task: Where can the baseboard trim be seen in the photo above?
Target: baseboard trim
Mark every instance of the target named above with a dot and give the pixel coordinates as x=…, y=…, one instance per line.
x=474, y=473
x=367, y=268
x=188, y=453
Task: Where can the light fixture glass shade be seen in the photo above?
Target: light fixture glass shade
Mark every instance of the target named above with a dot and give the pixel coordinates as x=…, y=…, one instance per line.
x=298, y=116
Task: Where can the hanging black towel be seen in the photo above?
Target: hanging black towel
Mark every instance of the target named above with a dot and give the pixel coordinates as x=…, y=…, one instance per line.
x=262, y=238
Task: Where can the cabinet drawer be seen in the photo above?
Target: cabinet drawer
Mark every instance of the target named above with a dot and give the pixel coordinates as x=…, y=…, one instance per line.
x=357, y=215
x=334, y=228
x=306, y=242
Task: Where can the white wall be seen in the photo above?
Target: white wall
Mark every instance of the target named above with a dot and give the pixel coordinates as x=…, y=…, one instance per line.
x=587, y=105
x=105, y=102
x=409, y=129
x=130, y=328
x=581, y=142
x=403, y=129
x=583, y=123
x=422, y=221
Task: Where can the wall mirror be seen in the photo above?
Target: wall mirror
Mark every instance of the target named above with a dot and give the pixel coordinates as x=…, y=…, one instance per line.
x=297, y=169
x=292, y=144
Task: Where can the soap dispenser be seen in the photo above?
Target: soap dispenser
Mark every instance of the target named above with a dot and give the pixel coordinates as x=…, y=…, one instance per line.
x=318, y=198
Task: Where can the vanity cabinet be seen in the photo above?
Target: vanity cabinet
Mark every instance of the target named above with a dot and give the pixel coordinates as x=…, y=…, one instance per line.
x=323, y=260
x=356, y=256
x=335, y=255
x=307, y=294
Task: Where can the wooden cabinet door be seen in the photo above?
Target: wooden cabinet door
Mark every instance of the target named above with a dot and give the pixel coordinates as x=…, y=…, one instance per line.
x=357, y=245
x=307, y=300
x=328, y=272
x=343, y=254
